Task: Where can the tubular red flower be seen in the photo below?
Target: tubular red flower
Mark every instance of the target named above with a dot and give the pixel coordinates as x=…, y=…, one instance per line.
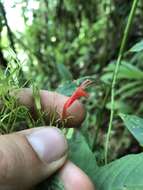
x=79, y=92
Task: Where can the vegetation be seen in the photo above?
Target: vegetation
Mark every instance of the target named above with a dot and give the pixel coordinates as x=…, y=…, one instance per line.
x=62, y=44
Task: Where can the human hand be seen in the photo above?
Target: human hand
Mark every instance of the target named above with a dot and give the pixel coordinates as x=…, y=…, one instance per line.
x=30, y=156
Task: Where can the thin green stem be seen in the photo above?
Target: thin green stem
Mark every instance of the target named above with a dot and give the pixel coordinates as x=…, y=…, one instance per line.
x=121, y=51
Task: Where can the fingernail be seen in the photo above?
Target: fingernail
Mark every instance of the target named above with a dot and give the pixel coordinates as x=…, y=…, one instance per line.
x=48, y=143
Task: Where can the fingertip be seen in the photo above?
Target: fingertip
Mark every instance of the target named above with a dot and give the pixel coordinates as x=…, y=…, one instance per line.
x=45, y=140
x=74, y=178
x=53, y=102
x=77, y=114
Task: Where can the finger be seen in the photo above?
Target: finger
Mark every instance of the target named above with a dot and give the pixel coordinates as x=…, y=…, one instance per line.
x=26, y=160
x=75, y=178
x=52, y=102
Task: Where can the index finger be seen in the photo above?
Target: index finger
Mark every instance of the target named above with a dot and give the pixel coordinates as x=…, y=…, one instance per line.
x=53, y=102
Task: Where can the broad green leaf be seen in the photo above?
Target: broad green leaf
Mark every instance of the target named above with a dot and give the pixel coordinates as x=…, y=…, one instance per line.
x=137, y=47
x=126, y=71
x=134, y=125
x=132, y=92
x=130, y=71
x=123, y=174
x=128, y=86
x=81, y=155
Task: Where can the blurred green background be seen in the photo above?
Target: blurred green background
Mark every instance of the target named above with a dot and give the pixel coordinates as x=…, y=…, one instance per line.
x=58, y=41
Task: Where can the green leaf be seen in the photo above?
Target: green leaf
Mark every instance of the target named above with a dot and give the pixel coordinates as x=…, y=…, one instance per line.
x=36, y=95
x=81, y=155
x=137, y=47
x=123, y=174
x=126, y=71
x=134, y=125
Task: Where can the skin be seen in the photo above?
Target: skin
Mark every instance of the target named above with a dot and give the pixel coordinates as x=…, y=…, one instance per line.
x=21, y=168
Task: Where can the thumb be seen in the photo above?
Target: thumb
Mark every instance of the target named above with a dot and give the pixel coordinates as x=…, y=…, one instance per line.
x=30, y=156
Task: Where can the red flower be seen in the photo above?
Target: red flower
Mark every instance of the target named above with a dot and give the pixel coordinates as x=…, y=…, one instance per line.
x=79, y=92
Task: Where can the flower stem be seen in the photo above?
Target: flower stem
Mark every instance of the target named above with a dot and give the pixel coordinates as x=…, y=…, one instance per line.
x=121, y=51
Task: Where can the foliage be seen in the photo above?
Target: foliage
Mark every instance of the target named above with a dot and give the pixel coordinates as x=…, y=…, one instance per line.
x=135, y=126
x=76, y=143
x=62, y=44
x=137, y=47
x=121, y=174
